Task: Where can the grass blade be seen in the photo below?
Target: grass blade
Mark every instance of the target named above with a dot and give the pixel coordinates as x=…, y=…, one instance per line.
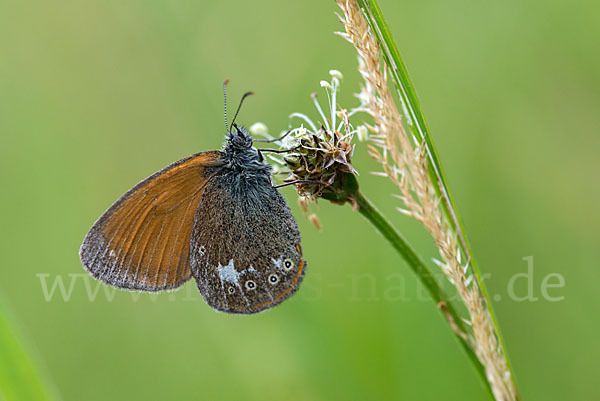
x=20, y=379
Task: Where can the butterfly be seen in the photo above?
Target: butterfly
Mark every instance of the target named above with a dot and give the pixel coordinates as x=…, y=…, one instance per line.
x=215, y=216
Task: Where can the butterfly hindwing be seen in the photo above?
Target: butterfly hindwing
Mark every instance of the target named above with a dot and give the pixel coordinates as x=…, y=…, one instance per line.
x=245, y=245
x=142, y=241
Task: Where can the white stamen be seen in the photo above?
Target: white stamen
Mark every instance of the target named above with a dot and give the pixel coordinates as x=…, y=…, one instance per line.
x=336, y=74
x=305, y=118
x=325, y=84
x=362, y=133
x=318, y=106
x=259, y=128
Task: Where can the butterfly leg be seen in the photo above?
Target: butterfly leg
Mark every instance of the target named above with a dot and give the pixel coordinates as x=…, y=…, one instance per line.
x=298, y=182
x=273, y=140
x=281, y=151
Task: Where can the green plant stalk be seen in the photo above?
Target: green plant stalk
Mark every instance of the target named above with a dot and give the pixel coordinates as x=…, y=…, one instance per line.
x=19, y=378
x=420, y=129
x=345, y=189
x=374, y=216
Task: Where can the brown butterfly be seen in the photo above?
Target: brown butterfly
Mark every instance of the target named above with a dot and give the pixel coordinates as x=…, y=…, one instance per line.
x=215, y=216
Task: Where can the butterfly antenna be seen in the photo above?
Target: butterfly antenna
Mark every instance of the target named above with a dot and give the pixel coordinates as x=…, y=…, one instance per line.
x=239, y=107
x=225, y=100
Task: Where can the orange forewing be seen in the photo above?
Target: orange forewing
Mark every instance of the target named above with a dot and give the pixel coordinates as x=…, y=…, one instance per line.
x=143, y=240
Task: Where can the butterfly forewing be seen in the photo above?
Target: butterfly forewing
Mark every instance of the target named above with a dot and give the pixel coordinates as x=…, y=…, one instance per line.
x=245, y=245
x=142, y=241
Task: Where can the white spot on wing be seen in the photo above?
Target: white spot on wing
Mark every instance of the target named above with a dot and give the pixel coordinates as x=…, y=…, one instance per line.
x=278, y=262
x=228, y=273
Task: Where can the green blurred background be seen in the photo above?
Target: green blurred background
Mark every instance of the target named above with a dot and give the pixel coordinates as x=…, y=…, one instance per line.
x=96, y=95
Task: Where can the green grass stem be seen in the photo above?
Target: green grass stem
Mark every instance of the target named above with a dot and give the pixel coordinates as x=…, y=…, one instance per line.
x=406, y=251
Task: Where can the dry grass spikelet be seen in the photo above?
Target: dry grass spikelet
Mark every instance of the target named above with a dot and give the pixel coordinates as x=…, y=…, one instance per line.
x=405, y=162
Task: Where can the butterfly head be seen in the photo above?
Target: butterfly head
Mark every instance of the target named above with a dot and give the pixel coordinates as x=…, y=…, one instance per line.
x=238, y=138
x=239, y=153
